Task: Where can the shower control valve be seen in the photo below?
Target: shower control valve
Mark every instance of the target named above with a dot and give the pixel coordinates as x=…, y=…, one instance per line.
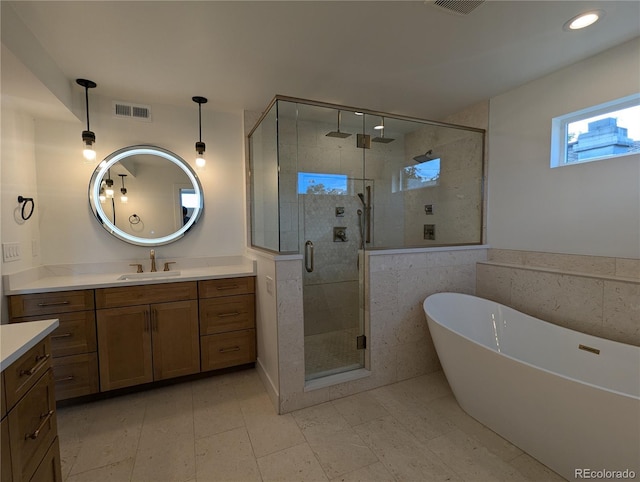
x=340, y=234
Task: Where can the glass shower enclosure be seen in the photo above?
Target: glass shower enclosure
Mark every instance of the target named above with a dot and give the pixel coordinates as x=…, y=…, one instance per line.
x=330, y=182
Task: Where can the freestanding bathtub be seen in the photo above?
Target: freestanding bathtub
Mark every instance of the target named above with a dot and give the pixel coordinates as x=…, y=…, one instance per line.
x=569, y=399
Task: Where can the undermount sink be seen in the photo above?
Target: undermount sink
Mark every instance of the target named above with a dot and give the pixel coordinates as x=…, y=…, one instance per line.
x=150, y=275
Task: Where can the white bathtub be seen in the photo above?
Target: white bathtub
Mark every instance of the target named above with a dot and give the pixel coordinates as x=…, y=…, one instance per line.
x=529, y=381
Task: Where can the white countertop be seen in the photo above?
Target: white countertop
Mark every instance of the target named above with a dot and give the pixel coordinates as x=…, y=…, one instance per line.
x=18, y=338
x=70, y=277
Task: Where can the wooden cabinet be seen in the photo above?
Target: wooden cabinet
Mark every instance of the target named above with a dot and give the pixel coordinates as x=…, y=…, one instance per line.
x=227, y=322
x=29, y=445
x=118, y=337
x=73, y=343
x=147, y=340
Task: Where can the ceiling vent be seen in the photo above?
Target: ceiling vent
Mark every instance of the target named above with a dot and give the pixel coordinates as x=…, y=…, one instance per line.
x=132, y=111
x=458, y=7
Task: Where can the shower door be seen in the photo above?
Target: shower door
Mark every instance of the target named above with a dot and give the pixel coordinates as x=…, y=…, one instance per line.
x=334, y=208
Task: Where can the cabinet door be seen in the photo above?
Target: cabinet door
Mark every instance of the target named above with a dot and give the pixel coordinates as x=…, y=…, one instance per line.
x=124, y=346
x=5, y=452
x=176, y=346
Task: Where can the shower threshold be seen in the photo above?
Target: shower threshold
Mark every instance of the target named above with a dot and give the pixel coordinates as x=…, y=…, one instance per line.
x=336, y=379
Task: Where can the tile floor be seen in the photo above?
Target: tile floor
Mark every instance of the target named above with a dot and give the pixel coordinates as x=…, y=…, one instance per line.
x=224, y=428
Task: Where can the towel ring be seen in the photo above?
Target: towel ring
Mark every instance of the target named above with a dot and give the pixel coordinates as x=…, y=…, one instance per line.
x=24, y=201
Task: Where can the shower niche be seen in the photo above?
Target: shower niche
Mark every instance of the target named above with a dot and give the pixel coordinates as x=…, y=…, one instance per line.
x=330, y=182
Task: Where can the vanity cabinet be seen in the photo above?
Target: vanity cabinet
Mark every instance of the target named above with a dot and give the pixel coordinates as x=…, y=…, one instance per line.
x=117, y=337
x=30, y=450
x=73, y=343
x=227, y=322
x=147, y=333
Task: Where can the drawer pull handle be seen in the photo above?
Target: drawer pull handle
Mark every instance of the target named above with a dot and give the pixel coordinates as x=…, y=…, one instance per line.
x=65, y=379
x=224, y=315
x=54, y=303
x=227, y=350
x=41, y=360
x=228, y=287
x=63, y=335
x=45, y=418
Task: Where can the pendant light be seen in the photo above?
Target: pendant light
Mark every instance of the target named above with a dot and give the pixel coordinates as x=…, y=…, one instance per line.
x=109, y=185
x=200, y=146
x=88, y=137
x=123, y=197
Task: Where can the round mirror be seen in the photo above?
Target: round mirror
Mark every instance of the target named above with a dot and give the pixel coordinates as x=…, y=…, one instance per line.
x=145, y=195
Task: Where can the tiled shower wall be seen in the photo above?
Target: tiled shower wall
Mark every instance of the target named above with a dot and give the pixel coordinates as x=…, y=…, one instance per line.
x=596, y=295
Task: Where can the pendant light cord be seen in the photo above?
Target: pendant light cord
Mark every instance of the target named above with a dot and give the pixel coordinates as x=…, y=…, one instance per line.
x=86, y=96
x=200, y=120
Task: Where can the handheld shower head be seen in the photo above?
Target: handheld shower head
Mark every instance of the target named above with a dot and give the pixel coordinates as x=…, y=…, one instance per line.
x=361, y=196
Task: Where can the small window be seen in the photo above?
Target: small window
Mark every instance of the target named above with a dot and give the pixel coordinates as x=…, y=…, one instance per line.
x=320, y=183
x=420, y=175
x=600, y=132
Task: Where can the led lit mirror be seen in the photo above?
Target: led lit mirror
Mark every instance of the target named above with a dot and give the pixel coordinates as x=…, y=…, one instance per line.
x=145, y=195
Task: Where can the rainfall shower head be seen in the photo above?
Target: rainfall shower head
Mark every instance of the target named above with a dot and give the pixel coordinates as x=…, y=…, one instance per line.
x=427, y=156
x=381, y=138
x=337, y=133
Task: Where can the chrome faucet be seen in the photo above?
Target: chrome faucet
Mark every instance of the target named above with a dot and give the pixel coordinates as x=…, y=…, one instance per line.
x=153, y=260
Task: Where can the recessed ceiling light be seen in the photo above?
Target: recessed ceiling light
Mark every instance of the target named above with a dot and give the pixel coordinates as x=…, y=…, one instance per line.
x=583, y=20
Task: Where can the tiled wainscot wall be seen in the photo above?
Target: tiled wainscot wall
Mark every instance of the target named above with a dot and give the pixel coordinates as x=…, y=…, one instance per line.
x=398, y=342
x=596, y=295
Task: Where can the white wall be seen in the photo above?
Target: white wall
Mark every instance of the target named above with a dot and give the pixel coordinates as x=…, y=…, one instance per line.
x=18, y=178
x=71, y=234
x=592, y=208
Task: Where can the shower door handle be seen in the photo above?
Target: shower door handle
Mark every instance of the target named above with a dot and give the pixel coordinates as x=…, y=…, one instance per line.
x=308, y=256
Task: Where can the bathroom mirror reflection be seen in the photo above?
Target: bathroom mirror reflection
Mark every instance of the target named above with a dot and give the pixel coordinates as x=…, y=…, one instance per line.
x=145, y=195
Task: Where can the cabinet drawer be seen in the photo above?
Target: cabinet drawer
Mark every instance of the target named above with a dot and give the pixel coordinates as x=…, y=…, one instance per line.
x=50, y=469
x=32, y=427
x=142, y=295
x=214, y=288
x=75, y=375
x=25, y=371
x=76, y=333
x=231, y=313
x=228, y=349
x=50, y=303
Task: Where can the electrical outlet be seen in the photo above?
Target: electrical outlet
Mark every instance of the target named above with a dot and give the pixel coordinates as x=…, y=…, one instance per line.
x=428, y=209
x=11, y=252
